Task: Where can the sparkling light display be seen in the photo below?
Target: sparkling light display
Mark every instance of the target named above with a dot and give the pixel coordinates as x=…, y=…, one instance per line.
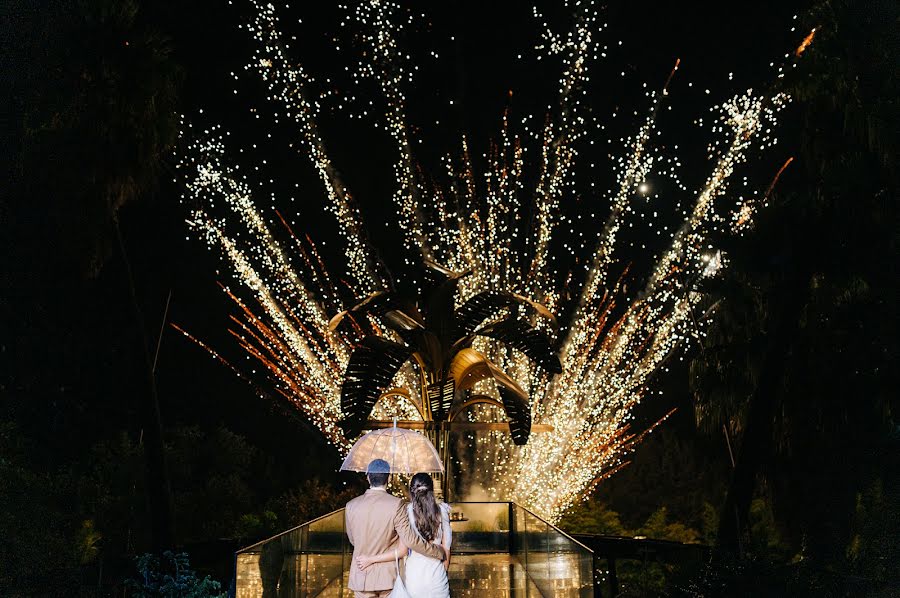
x=612, y=341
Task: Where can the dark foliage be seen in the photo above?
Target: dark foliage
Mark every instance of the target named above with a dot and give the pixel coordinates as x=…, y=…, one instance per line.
x=795, y=368
x=170, y=576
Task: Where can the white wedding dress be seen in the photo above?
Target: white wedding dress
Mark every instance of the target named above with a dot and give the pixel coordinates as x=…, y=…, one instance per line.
x=425, y=576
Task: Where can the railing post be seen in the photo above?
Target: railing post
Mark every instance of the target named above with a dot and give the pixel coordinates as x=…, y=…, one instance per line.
x=512, y=546
x=525, y=543
x=232, y=589
x=598, y=585
x=613, y=577
x=304, y=560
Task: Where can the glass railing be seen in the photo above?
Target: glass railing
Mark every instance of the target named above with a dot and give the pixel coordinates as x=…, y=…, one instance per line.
x=495, y=546
x=480, y=527
x=554, y=562
x=306, y=561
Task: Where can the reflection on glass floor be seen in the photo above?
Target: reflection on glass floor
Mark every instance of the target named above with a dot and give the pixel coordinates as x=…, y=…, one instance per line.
x=500, y=549
x=471, y=575
x=482, y=575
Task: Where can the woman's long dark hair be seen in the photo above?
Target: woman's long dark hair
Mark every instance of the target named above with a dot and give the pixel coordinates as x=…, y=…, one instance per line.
x=425, y=508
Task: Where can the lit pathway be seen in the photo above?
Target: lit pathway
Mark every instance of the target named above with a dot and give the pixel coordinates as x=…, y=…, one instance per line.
x=471, y=575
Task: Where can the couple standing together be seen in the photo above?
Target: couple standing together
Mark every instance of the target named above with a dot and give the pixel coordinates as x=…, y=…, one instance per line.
x=384, y=529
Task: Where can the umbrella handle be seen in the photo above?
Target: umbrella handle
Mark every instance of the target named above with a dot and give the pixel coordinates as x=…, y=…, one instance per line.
x=394, y=445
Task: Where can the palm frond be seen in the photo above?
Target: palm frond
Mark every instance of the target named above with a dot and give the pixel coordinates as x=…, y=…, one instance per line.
x=377, y=304
x=372, y=367
x=520, y=335
x=440, y=397
x=488, y=303
x=519, y=413
x=470, y=367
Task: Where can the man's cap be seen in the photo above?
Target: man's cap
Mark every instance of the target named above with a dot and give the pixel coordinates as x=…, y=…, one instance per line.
x=378, y=466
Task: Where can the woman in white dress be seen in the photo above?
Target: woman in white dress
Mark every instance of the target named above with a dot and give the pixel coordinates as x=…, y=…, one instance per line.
x=425, y=577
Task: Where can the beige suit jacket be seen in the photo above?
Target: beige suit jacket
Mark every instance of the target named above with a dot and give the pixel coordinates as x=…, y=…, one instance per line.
x=374, y=523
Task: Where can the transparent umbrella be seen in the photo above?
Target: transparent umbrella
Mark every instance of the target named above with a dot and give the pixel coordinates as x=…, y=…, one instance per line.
x=406, y=451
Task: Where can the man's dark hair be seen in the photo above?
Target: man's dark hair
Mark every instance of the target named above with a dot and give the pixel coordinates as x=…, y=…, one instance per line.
x=378, y=479
x=378, y=472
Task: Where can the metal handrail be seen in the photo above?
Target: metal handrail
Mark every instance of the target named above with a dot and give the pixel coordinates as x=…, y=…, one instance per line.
x=311, y=521
x=465, y=502
x=285, y=532
x=561, y=532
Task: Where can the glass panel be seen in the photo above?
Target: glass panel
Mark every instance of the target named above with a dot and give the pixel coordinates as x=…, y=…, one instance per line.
x=570, y=566
x=306, y=561
x=479, y=527
x=554, y=563
x=324, y=554
x=536, y=545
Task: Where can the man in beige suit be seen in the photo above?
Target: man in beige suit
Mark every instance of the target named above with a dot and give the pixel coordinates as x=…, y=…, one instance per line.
x=375, y=522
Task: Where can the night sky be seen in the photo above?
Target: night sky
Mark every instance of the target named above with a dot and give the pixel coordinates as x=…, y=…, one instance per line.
x=477, y=70
x=817, y=268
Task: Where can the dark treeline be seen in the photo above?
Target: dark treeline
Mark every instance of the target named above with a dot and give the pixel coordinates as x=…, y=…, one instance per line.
x=107, y=453
x=116, y=437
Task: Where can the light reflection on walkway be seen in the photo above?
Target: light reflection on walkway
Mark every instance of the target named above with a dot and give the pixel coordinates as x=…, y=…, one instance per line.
x=482, y=575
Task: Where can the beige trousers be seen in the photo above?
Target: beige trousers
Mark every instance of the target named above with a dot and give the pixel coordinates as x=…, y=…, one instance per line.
x=378, y=594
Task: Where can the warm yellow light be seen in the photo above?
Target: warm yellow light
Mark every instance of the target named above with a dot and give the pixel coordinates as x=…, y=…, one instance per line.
x=285, y=297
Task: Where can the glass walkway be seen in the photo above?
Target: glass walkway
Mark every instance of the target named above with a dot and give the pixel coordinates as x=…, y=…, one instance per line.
x=499, y=549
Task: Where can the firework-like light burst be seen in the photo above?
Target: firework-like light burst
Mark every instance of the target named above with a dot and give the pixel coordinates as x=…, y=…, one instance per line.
x=611, y=344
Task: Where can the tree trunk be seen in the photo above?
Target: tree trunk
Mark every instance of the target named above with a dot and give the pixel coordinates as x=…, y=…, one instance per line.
x=159, y=490
x=756, y=443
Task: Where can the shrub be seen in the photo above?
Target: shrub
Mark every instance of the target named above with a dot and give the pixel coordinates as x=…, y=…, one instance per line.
x=171, y=577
